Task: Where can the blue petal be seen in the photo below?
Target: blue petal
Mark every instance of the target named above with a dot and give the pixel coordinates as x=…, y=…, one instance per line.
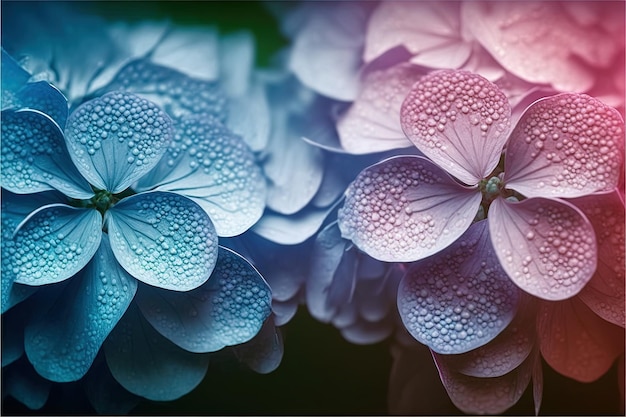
x=48, y=99
x=228, y=310
x=63, y=342
x=163, y=239
x=249, y=116
x=13, y=335
x=209, y=164
x=35, y=157
x=459, y=299
x=105, y=394
x=149, y=365
x=14, y=77
x=236, y=59
x=117, y=138
x=175, y=92
x=55, y=242
x=265, y=351
x=20, y=381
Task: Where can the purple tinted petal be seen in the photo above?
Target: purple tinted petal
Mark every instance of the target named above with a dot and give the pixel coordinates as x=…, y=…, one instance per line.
x=163, y=239
x=294, y=229
x=35, y=156
x=366, y=333
x=547, y=247
x=605, y=293
x=459, y=120
x=117, y=138
x=537, y=376
x=372, y=123
x=63, y=342
x=406, y=208
x=568, y=145
x=459, y=299
x=227, y=310
x=55, y=242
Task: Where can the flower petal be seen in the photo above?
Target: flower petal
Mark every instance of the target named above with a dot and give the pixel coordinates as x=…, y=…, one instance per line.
x=537, y=376
x=117, y=138
x=210, y=165
x=265, y=351
x=24, y=384
x=176, y=93
x=294, y=229
x=236, y=60
x=541, y=43
x=406, y=208
x=424, y=28
x=326, y=53
x=366, y=333
x=13, y=335
x=14, y=77
x=55, y=242
x=284, y=311
x=149, y=365
x=372, y=123
x=460, y=299
x=46, y=98
x=249, y=116
x=227, y=310
x=105, y=394
x=547, y=247
x=576, y=342
x=35, y=157
x=459, y=120
x=163, y=239
x=63, y=341
x=605, y=293
x=486, y=395
x=568, y=145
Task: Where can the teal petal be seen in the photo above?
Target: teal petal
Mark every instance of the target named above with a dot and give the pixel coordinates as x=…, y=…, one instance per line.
x=20, y=381
x=45, y=97
x=105, y=394
x=163, y=239
x=13, y=335
x=264, y=352
x=149, y=365
x=227, y=310
x=63, y=342
x=115, y=139
x=13, y=77
x=35, y=157
x=54, y=243
x=215, y=168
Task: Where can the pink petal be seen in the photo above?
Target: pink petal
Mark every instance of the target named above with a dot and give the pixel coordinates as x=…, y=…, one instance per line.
x=423, y=28
x=504, y=353
x=547, y=247
x=576, y=342
x=537, y=384
x=372, y=123
x=459, y=120
x=605, y=293
x=568, y=145
x=539, y=42
x=406, y=208
x=461, y=298
x=485, y=395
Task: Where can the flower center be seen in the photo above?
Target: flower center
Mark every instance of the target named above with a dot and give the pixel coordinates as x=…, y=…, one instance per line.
x=102, y=200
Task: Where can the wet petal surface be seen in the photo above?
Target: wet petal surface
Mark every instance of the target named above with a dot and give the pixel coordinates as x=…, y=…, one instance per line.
x=48, y=99
x=149, y=365
x=117, y=138
x=227, y=310
x=458, y=119
x=547, y=247
x=163, y=239
x=35, y=157
x=568, y=145
x=14, y=77
x=207, y=163
x=406, y=208
x=54, y=243
x=460, y=299
x=63, y=342
x=372, y=123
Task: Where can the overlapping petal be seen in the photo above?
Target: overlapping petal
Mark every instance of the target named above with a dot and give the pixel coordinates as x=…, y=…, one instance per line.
x=35, y=157
x=105, y=394
x=294, y=229
x=117, y=138
x=236, y=61
x=43, y=96
x=210, y=165
x=55, y=242
x=406, y=208
x=265, y=351
x=249, y=115
x=149, y=365
x=372, y=123
x=163, y=239
x=576, y=342
x=227, y=310
x=62, y=342
x=568, y=145
x=547, y=247
x=23, y=383
x=460, y=299
x=459, y=120
x=13, y=78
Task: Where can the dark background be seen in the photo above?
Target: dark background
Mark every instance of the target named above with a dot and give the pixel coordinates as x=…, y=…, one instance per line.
x=321, y=373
